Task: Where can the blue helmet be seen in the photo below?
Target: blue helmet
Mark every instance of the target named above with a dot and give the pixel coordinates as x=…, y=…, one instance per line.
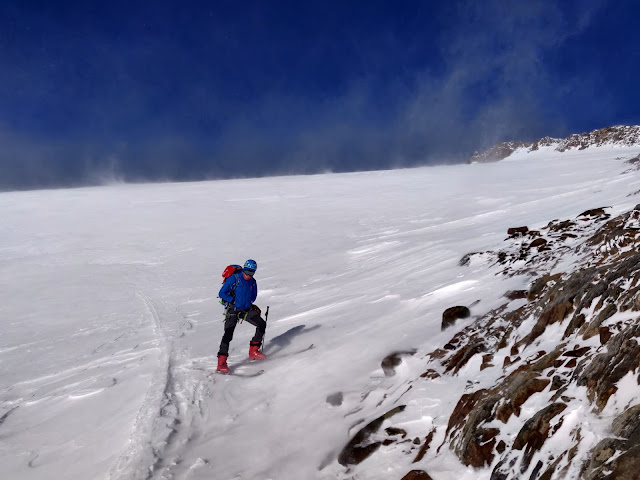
x=250, y=265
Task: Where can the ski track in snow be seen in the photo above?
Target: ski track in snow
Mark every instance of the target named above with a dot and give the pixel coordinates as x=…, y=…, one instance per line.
x=140, y=453
x=172, y=414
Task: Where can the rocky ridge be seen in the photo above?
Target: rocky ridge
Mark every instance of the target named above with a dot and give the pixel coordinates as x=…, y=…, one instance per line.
x=620, y=135
x=564, y=354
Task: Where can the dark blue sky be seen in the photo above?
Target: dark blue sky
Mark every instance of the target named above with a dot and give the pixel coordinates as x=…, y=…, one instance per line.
x=209, y=89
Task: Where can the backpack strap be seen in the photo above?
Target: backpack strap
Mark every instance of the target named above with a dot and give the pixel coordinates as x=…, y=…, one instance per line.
x=232, y=292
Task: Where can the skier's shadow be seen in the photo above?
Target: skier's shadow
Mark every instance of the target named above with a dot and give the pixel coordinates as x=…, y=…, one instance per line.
x=285, y=339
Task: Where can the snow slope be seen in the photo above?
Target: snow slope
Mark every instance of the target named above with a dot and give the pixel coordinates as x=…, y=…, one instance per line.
x=109, y=321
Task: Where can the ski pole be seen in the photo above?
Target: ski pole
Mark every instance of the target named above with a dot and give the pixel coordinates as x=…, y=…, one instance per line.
x=266, y=317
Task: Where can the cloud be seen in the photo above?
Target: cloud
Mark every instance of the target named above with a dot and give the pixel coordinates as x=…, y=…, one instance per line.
x=494, y=84
x=497, y=84
x=28, y=162
x=408, y=99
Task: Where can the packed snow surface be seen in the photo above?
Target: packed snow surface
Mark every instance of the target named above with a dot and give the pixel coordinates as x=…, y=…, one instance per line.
x=110, y=322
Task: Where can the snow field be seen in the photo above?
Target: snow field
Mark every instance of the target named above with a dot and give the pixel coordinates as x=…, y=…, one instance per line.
x=110, y=324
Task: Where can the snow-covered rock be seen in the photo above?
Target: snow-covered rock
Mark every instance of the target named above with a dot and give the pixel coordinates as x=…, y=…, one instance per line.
x=570, y=345
x=620, y=135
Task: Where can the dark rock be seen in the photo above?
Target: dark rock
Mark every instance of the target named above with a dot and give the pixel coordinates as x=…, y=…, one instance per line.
x=417, y=475
x=578, y=352
x=517, y=231
x=475, y=444
x=393, y=431
x=466, y=260
x=536, y=470
x=557, y=382
x=497, y=152
x=391, y=361
x=548, y=360
x=594, y=212
x=535, y=432
x=450, y=315
x=606, y=369
x=560, y=226
x=550, y=470
x=504, y=469
x=438, y=354
x=594, y=326
x=603, y=451
x=471, y=411
x=626, y=427
x=538, y=242
x=335, y=399
x=360, y=447
x=431, y=374
x=587, y=290
x=516, y=294
x=627, y=466
x=480, y=452
x=554, y=314
x=540, y=284
x=504, y=341
x=576, y=323
x=605, y=334
x=519, y=387
x=425, y=445
x=571, y=363
x=463, y=355
x=356, y=455
x=486, y=361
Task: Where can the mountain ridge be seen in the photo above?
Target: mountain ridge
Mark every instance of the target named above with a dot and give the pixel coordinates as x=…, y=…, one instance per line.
x=618, y=135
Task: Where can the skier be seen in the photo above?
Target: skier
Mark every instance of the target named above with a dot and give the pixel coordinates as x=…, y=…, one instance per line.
x=238, y=292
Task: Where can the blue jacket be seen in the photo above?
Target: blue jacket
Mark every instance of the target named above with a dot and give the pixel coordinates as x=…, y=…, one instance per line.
x=246, y=291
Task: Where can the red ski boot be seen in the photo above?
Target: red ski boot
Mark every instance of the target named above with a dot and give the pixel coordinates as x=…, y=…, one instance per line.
x=222, y=364
x=255, y=353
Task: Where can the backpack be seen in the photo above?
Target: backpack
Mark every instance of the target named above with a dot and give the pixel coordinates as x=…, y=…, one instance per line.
x=228, y=272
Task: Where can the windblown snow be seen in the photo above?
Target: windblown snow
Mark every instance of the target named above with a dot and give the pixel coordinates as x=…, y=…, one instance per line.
x=110, y=325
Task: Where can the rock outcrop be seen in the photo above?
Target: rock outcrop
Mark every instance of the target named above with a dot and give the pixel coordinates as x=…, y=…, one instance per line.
x=450, y=315
x=621, y=135
x=361, y=445
x=566, y=349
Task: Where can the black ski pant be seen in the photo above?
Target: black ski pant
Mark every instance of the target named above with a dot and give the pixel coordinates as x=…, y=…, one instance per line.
x=231, y=320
